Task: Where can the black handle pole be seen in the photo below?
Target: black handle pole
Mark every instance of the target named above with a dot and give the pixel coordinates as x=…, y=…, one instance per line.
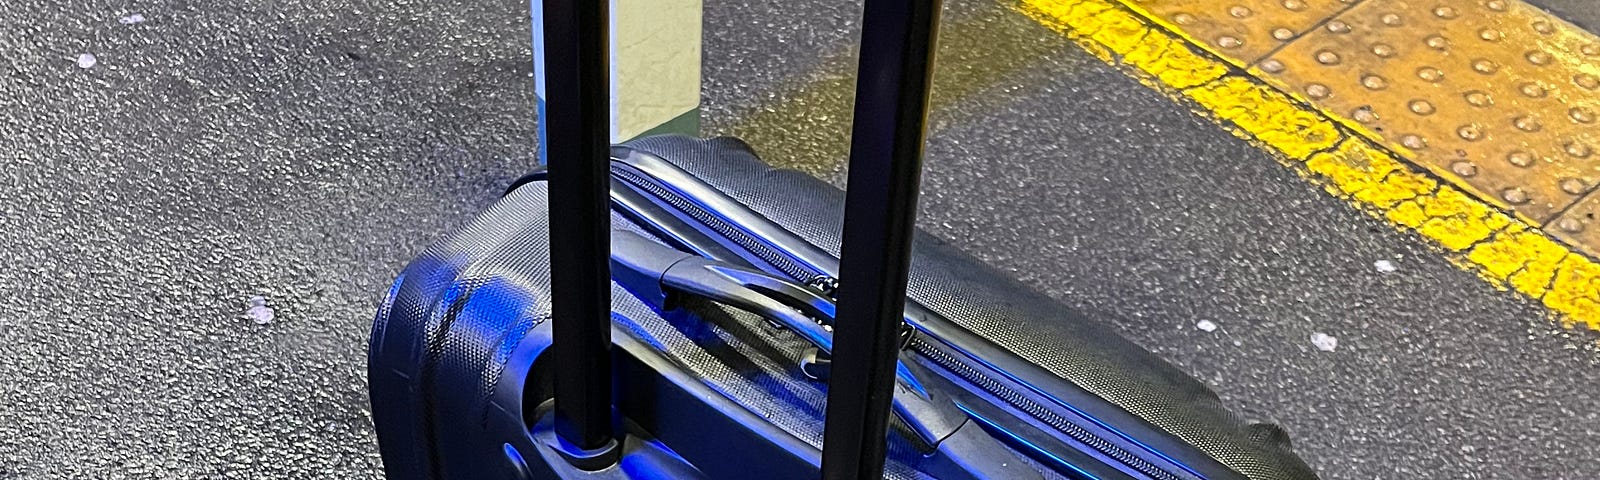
x=897, y=46
x=577, y=124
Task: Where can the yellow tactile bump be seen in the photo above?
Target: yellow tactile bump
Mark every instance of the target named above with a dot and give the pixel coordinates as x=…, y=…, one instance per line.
x=1332, y=150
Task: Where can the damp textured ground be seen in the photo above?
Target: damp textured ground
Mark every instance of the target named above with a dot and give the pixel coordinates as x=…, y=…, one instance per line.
x=302, y=151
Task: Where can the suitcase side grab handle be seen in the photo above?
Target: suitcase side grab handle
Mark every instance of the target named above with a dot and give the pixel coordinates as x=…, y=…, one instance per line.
x=657, y=273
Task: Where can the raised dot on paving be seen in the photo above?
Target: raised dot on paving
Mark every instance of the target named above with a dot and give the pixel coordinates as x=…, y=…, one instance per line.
x=1421, y=107
x=1578, y=149
x=1573, y=186
x=1581, y=115
x=1432, y=75
x=1478, y=98
x=1317, y=90
x=1531, y=90
x=1520, y=159
x=1586, y=81
x=1527, y=123
x=1374, y=82
x=1364, y=115
x=1514, y=195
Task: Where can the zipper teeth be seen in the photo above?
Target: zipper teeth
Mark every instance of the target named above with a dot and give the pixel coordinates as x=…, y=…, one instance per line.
x=761, y=249
x=797, y=272
x=949, y=362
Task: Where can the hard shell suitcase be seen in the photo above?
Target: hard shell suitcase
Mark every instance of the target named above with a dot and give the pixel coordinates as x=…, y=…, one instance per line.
x=724, y=295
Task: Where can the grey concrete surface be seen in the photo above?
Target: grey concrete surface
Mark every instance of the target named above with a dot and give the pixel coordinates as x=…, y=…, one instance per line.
x=296, y=150
x=304, y=150
x=1583, y=13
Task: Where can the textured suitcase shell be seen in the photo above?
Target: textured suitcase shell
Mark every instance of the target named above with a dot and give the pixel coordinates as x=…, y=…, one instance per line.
x=452, y=355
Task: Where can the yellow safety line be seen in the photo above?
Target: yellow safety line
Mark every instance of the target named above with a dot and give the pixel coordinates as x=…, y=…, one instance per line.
x=1505, y=250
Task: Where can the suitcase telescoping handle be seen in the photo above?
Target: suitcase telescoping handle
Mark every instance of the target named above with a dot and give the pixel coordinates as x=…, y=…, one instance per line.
x=577, y=149
x=880, y=210
x=897, y=47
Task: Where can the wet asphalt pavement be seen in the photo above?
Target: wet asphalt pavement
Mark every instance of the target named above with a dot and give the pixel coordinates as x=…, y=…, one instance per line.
x=304, y=150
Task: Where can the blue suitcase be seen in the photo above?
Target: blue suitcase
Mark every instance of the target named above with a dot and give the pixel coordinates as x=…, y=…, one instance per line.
x=672, y=313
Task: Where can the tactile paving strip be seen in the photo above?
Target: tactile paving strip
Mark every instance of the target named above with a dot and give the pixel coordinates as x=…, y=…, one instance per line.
x=1337, y=152
x=1242, y=31
x=1495, y=93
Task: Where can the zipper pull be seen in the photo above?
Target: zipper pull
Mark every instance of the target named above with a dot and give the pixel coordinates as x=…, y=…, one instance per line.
x=827, y=285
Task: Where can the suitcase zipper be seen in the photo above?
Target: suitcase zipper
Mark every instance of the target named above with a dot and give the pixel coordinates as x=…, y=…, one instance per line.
x=1039, y=412
x=756, y=247
x=797, y=272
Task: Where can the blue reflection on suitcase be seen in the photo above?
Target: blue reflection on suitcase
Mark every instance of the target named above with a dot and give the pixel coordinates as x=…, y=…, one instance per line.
x=713, y=392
